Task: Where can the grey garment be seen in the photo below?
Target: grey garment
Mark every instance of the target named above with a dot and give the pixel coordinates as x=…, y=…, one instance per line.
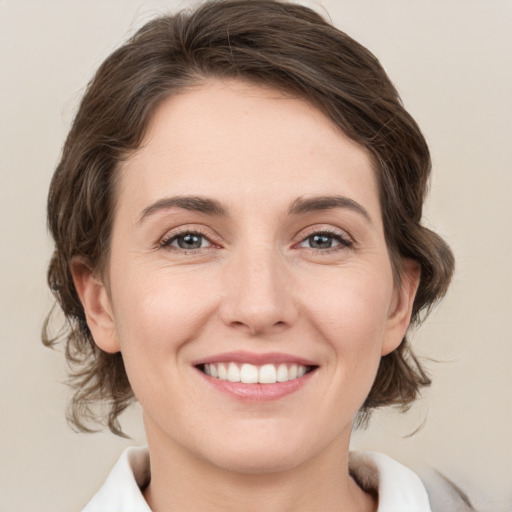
x=443, y=494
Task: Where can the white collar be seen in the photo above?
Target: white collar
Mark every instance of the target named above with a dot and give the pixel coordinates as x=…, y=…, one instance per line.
x=121, y=491
x=399, y=488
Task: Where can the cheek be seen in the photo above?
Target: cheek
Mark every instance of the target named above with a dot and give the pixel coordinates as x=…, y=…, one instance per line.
x=351, y=310
x=159, y=310
x=157, y=314
x=348, y=311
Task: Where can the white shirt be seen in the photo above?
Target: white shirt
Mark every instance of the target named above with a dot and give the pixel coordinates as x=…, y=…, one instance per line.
x=398, y=487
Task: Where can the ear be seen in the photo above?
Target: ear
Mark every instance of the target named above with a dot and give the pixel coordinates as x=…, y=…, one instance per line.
x=401, y=307
x=97, y=306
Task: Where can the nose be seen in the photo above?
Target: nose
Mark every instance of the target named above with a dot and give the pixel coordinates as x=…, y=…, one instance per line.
x=258, y=293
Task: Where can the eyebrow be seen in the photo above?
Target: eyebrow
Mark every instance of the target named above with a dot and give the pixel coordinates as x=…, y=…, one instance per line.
x=213, y=207
x=315, y=204
x=192, y=203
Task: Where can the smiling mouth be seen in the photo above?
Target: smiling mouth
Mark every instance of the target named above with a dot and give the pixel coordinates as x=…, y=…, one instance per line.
x=252, y=374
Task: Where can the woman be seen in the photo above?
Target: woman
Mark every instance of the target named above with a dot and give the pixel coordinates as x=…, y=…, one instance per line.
x=238, y=246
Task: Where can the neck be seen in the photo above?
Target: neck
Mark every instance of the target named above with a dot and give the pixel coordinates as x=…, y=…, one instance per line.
x=180, y=481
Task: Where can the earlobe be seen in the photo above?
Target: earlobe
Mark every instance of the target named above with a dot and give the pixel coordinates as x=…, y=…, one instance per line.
x=401, y=310
x=95, y=300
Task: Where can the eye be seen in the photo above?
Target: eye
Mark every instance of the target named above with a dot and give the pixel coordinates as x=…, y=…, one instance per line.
x=325, y=240
x=189, y=240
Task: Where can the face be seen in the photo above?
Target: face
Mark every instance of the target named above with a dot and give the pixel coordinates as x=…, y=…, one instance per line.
x=249, y=289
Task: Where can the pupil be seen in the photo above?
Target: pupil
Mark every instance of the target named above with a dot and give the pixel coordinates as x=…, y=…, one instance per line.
x=321, y=241
x=190, y=241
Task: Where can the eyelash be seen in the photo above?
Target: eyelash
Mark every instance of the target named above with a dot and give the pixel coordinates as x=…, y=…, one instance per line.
x=343, y=241
x=166, y=242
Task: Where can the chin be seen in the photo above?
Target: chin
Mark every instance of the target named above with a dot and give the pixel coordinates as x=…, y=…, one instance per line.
x=259, y=451
x=258, y=461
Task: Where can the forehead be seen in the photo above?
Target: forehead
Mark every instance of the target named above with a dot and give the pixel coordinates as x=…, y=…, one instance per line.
x=225, y=136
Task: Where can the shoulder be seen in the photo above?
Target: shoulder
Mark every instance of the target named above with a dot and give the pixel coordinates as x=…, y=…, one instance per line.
x=443, y=493
x=122, y=488
x=400, y=489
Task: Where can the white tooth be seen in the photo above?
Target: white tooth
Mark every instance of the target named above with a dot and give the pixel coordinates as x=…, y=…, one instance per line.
x=233, y=373
x=301, y=370
x=268, y=374
x=207, y=369
x=292, y=372
x=222, y=371
x=249, y=374
x=282, y=373
x=213, y=371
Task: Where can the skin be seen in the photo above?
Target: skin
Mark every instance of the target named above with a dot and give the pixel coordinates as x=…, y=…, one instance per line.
x=257, y=283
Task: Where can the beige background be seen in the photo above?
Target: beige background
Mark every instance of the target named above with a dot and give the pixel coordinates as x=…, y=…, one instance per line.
x=451, y=62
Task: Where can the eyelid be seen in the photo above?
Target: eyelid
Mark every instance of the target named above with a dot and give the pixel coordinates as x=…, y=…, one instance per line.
x=166, y=240
x=319, y=229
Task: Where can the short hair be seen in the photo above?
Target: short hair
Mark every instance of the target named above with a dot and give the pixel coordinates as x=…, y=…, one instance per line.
x=271, y=43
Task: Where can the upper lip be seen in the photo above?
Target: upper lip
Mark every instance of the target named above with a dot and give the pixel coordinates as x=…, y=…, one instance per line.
x=255, y=358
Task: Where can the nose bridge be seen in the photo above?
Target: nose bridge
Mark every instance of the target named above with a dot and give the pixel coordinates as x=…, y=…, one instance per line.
x=257, y=292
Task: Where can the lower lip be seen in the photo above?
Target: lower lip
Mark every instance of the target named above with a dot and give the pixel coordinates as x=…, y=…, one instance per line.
x=257, y=392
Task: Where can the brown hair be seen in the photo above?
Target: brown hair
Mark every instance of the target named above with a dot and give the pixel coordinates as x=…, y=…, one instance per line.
x=272, y=43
